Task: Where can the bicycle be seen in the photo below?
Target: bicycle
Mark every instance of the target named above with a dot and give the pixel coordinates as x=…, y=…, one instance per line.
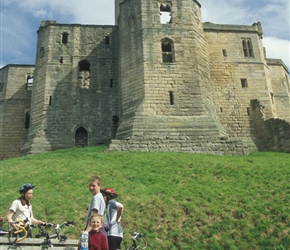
x=23, y=230
x=138, y=239
x=57, y=235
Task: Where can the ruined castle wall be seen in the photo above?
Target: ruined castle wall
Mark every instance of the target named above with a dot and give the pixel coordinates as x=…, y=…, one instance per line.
x=238, y=79
x=15, y=97
x=281, y=88
x=76, y=86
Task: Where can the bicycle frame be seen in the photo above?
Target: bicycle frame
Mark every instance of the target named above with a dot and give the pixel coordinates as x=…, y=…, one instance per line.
x=135, y=236
x=57, y=235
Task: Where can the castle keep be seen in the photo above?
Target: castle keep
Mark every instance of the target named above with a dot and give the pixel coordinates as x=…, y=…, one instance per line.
x=158, y=80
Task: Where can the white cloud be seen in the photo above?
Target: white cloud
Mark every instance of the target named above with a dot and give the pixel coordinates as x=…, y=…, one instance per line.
x=20, y=21
x=278, y=49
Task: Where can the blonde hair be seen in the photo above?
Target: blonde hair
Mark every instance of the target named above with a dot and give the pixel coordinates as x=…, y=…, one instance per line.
x=96, y=179
x=96, y=215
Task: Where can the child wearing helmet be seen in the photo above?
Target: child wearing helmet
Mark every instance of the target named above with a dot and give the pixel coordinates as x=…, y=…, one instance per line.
x=113, y=218
x=21, y=208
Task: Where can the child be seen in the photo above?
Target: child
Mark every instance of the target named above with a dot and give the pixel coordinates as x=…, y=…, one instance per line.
x=97, y=204
x=97, y=240
x=113, y=219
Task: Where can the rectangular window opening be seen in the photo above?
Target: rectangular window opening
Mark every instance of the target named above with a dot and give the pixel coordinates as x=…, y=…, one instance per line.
x=244, y=83
x=225, y=53
x=50, y=100
x=107, y=40
x=111, y=83
x=64, y=38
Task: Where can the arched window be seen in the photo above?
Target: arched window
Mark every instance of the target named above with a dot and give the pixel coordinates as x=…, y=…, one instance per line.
x=84, y=76
x=247, y=47
x=81, y=137
x=167, y=51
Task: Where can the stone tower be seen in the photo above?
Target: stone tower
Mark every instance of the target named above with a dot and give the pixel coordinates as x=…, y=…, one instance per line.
x=75, y=96
x=165, y=78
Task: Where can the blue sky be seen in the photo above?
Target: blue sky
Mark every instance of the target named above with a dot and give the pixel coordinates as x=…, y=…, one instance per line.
x=20, y=20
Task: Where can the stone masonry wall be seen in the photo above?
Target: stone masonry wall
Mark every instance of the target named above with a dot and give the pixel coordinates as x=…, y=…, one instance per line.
x=67, y=97
x=15, y=100
x=229, y=67
x=281, y=88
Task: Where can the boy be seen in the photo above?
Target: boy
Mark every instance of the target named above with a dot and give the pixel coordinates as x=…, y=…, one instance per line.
x=97, y=204
x=97, y=240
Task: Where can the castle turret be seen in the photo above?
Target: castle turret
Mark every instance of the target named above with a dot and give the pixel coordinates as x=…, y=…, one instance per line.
x=164, y=78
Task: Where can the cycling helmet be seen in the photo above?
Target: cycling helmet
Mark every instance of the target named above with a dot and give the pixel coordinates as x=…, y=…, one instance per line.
x=110, y=192
x=25, y=187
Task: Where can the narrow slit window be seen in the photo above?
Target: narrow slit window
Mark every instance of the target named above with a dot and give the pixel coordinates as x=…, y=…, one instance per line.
x=107, y=40
x=27, y=119
x=50, y=101
x=244, y=83
x=171, y=97
x=111, y=83
x=248, y=111
x=272, y=97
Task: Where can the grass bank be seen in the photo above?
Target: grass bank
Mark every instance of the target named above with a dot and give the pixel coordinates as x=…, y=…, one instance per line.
x=178, y=200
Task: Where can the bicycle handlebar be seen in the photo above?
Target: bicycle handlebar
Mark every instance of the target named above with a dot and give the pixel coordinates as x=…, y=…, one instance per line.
x=65, y=223
x=136, y=235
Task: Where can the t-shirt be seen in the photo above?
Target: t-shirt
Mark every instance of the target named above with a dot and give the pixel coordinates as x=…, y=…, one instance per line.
x=97, y=241
x=97, y=203
x=21, y=212
x=115, y=228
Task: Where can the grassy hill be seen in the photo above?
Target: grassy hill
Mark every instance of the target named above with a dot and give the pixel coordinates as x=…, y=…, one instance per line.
x=178, y=200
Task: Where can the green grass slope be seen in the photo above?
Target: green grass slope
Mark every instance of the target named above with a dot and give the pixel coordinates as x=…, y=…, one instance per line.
x=178, y=200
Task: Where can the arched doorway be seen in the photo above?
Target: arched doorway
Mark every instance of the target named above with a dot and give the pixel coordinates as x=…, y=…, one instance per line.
x=81, y=137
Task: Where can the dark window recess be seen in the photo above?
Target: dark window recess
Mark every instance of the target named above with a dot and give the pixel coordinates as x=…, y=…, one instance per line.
x=225, y=53
x=27, y=119
x=244, y=83
x=50, y=101
x=167, y=55
x=171, y=98
x=64, y=38
x=84, y=65
x=115, y=119
x=107, y=40
x=248, y=111
x=272, y=97
x=61, y=60
x=81, y=137
x=111, y=83
x=221, y=109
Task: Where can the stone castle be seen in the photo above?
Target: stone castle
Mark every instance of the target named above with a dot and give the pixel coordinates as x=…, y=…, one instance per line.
x=158, y=80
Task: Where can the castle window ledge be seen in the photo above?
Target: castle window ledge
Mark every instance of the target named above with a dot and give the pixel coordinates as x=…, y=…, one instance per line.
x=168, y=65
